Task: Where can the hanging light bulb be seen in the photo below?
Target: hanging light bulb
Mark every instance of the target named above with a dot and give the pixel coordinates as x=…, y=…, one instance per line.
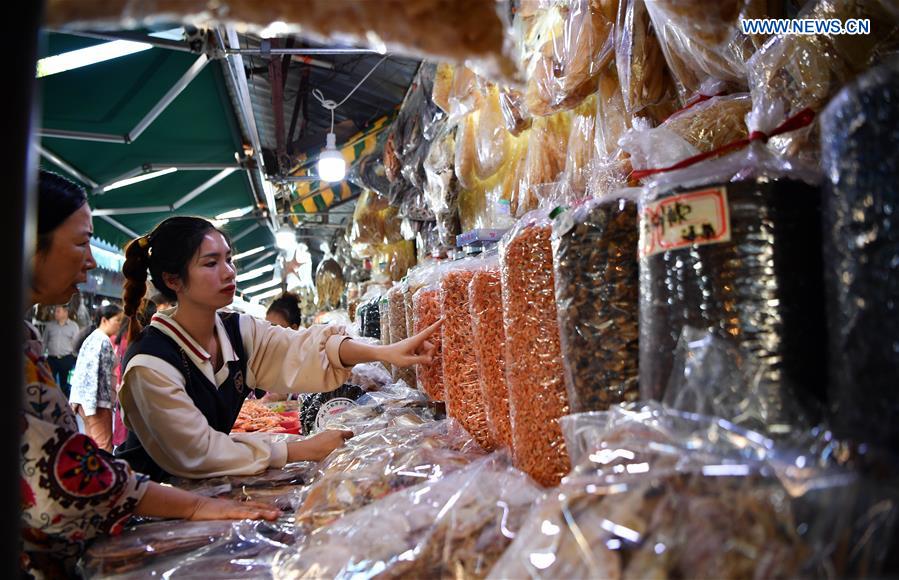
x=286, y=239
x=331, y=165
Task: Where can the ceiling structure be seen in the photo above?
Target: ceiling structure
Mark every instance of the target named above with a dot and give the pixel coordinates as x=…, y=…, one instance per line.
x=222, y=122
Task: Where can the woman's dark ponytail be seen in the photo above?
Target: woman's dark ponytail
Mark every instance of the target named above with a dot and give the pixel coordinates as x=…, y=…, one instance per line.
x=135, y=270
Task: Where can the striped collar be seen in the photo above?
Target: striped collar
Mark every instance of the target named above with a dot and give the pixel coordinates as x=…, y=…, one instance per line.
x=165, y=323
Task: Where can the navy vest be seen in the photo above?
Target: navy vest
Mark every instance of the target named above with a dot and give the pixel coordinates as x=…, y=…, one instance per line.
x=220, y=405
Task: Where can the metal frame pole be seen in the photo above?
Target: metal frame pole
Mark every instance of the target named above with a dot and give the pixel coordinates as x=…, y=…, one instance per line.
x=195, y=69
x=202, y=187
x=60, y=162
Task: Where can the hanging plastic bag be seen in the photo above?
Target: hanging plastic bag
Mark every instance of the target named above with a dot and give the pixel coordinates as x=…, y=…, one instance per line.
x=547, y=153
x=646, y=82
x=515, y=114
x=792, y=73
x=534, y=369
x=581, y=147
x=485, y=299
x=466, y=150
x=702, y=41
x=491, y=137
x=572, y=43
x=443, y=86
x=596, y=281
x=465, y=401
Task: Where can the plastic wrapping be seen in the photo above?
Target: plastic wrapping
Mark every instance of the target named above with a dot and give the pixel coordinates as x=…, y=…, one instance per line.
x=442, y=188
x=394, y=260
x=571, y=42
x=742, y=260
x=466, y=150
x=534, y=370
x=369, y=319
x=398, y=331
x=464, y=399
x=317, y=407
x=660, y=494
x=861, y=244
x=370, y=376
x=581, y=147
x=515, y=114
x=597, y=279
x=414, y=206
x=491, y=138
x=702, y=41
x=329, y=284
x=711, y=377
x=453, y=528
x=443, y=86
x=794, y=72
x=425, y=312
x=466, y=95
x=485, y=300
x=393, y=406
x=612, y=120
x=700, y=128
x=374, y=464
x=547, y=154
x=384, y=315
x=368, y=172
x=172, y=549
x=646, y=83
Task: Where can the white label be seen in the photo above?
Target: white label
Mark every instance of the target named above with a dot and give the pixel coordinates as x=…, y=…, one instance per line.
x=331, y=408
x=695, y=218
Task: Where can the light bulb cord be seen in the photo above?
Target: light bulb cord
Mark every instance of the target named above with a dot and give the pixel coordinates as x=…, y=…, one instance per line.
x=331, y=105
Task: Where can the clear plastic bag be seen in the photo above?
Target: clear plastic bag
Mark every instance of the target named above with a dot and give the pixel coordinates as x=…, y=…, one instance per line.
x=612, y=120
x=491, y=137
x=534, y=370
x=860, y=246
x=172, y=549
x=581, y=147
x=646, y=83
x=597, y=279
x=703, y=41
x=571, y=42
x=466, y=150
x=743, y=260
x=426, y=311
x=329, y=284
x=374, y=220
x=443, y=86
x=398, y=329
x=379, y=462
x=515, y=114
x=442, y=187
x=384, y=313
x=466, y=96
x=464, y=399
x=711, y=377
x=794, y=72
x=657, y=493
x=547, y=154
x=370, y=376
x=453, y=528
x=485, y=299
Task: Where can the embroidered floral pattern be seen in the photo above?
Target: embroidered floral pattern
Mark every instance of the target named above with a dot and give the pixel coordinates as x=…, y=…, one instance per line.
x=70, y=490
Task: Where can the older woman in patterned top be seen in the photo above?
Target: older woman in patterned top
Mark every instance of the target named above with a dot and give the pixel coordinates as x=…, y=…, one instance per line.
x=71, y=490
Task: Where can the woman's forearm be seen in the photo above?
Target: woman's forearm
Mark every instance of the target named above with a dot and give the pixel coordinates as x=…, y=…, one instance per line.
x=166, y=502
x=353, y=352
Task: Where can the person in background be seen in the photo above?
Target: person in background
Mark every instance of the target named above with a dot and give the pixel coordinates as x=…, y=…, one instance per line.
x=70, y=491
x=59, y=342
x=284, y=311
x=93, y=381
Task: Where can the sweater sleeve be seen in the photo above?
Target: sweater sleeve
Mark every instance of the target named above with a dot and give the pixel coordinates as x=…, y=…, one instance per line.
x=177, y=435
x=282, y=360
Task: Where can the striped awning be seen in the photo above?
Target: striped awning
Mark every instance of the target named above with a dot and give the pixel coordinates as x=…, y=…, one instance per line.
x=316, y=196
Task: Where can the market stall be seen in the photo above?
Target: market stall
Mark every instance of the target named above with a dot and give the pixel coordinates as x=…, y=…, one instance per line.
x=664, y=253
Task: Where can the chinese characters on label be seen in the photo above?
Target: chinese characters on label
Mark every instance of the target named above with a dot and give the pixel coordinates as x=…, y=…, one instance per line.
x=689, y=219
